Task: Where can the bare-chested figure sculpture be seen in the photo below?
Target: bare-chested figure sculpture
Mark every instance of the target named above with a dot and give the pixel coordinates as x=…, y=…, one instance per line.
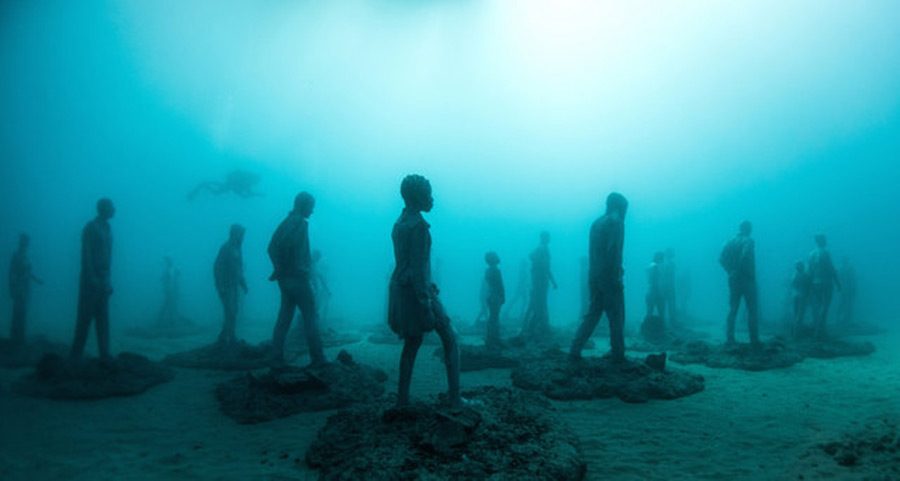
x=655, y=298
x=823, y=277
x=293, y=269
x=239, y=182
x=495, y=297
x=94, y=287
x=228, y=271
x=605, y=273
x=20, y=279
x=738, y=258
x=537, y=319
x=414, y=308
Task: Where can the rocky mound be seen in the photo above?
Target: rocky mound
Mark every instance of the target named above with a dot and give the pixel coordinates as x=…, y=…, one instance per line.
x=239, y=356
x=14, y=355
x=873, y=453
x=184, y=328
x=774, y=354
x=388, y=337
x=634, y=381
x=478, y=358
x=58, y=378
x=289, y=390
x=509, y=435
x=296, y=343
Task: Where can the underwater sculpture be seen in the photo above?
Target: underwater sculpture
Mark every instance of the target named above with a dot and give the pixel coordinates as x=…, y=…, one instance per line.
x=228, y=272
x=654, y=325
x=668, y=286
x=799, y=297
x=239, y=182
x=739, y=261
x=823, y=278
x=228, y=353
x=20, y=280
x=414, y=308
x=94, y=287
x=292, y=269
x=168, y=312
x=605, y=273
x=537, y=318
x=496, y=296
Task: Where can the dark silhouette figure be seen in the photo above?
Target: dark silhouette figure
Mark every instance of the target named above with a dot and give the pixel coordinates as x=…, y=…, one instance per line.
x=94, y=286
x=496, y=296
x=655, y=298
x=413, y=305
x=823, y=277
x=519, y=303
x=739, y=261
x=168, y=313
x=228, y=271
x=847, y=306
x=605, y=273
x=668, y=285
x=799, y=296
x=241, y=183
x=20, y=279
x=293, y=269
x=537, y=320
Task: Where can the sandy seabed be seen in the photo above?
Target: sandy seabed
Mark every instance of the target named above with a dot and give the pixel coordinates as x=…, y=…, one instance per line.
x=745, y=425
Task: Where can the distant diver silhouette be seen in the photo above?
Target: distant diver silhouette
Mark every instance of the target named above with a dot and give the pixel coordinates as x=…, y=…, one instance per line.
x=240, y=182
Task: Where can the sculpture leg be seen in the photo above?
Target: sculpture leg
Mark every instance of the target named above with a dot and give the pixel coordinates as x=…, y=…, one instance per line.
x=17, y=330
x=283, y=324
x=101, y=324
x=451, y=361
x=615, y=312
x=407, y=361
x=492, y=338
x=588, y=324
x=752, y=313
x=734, y=301
x=307, y=304
x=82, y=322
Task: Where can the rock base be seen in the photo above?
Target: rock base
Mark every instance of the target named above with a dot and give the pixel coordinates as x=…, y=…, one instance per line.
x=297, y=346
x=774, y=354
x=184, y=328
x=58, y=378
x=388, y=337
x=510, y=435
x=14, y=355
x=633, y=381
x=289, y=390
x=238, y=356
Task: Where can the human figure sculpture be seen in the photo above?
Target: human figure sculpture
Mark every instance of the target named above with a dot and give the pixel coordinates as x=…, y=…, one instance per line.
x=655, y=298
x=168, y=312
x=94, y=287
x=799, y=296
x=414, y=307
x=20, y=279
x=228, y=271
x=537, y=320
x=668, y=286
x=293, y=270
x=495, y=297
x=605, y=272
x=823, y=278
x=739, y=261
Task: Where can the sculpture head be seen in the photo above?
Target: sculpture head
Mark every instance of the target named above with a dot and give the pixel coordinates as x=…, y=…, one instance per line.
x=24, y=241
x=545, y=238
x=105, y=209
x=304, y=203
x=746, y=228
x=236, y=234
x=492, y=258
x=659, y=257
x=821, y=240
x=616, y=203
x=416, y=192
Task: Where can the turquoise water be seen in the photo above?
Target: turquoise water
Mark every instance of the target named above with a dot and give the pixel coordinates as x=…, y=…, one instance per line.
x=524, y=116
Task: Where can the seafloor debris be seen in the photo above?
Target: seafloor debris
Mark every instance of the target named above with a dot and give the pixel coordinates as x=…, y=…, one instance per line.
x=506, y=435
x=14, y=355
x=559, y=377
x=284, y=391
x=60, y=378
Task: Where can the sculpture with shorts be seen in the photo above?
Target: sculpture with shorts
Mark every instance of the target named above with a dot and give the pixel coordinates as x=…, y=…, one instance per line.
x=293, y=269
x=94, y=287
x=739, y=261
x=495, y=297
x=605, y=272
x=414, y=308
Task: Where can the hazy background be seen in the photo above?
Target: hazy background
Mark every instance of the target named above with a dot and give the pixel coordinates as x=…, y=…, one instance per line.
x=523, y=114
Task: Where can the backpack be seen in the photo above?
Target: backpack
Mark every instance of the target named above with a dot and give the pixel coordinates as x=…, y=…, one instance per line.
x=730, y=257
